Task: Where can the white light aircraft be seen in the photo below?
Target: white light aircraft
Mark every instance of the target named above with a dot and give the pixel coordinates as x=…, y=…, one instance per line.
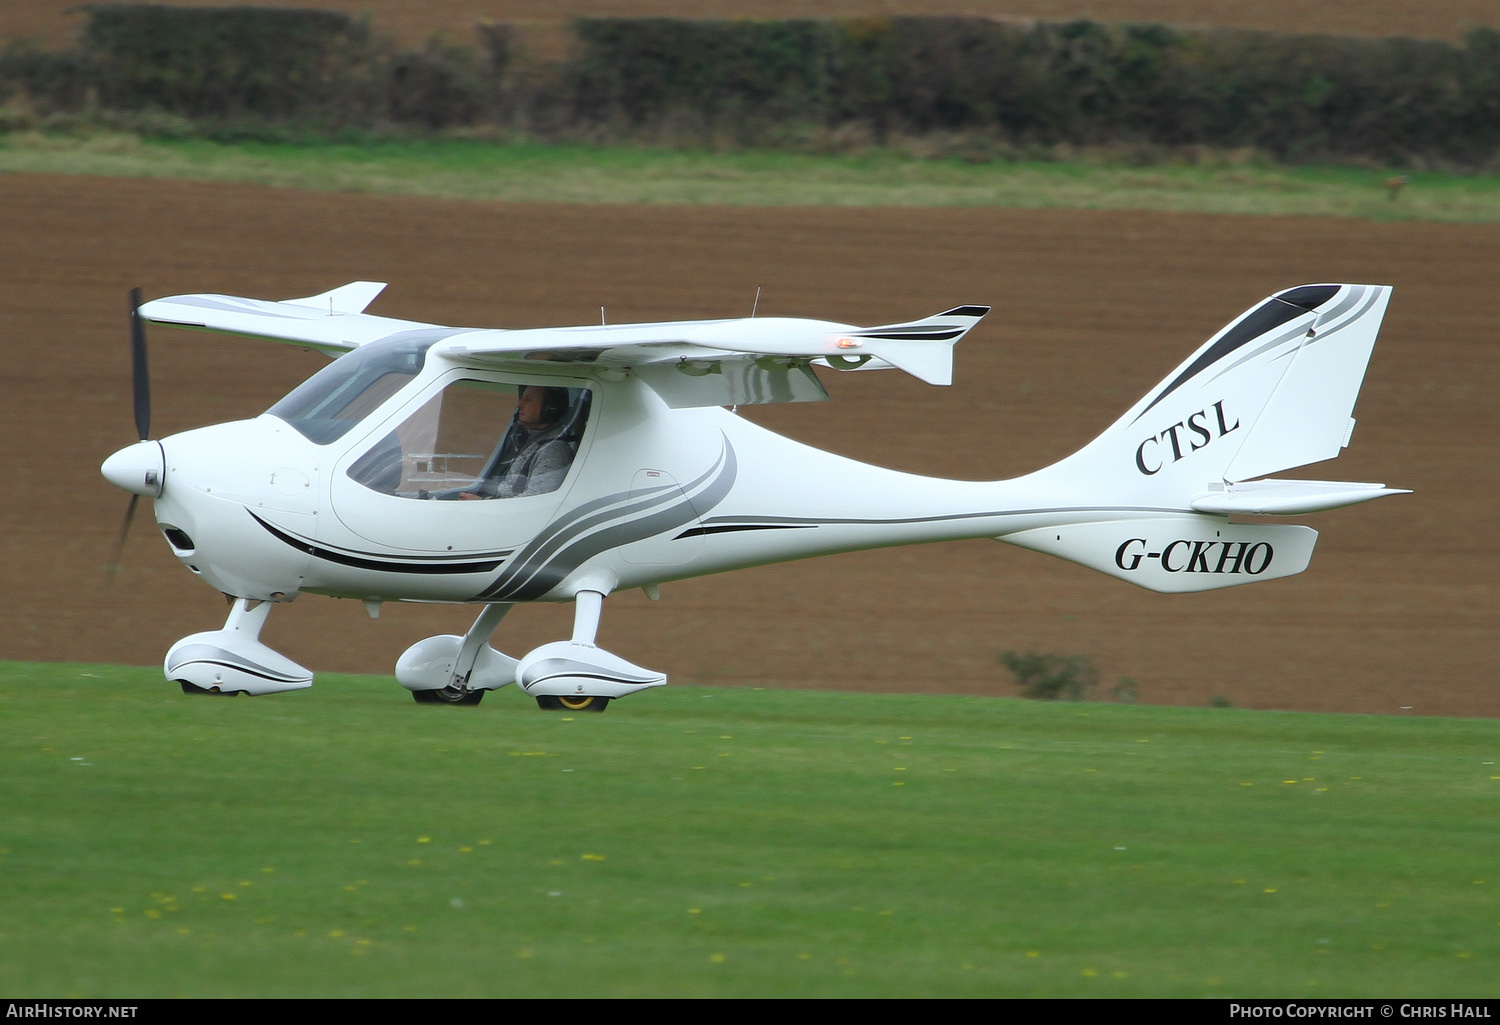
x=490, y=467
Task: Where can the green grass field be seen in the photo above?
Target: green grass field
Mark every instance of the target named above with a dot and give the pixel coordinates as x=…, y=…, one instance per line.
x=466, y=169
x=691, y=842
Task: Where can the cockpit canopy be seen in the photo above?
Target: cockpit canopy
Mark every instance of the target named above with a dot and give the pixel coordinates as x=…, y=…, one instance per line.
x=466, y=442
x=469, y=442
x=328, y=404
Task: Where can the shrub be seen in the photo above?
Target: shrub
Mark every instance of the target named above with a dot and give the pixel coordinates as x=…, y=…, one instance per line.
x=1052, y=677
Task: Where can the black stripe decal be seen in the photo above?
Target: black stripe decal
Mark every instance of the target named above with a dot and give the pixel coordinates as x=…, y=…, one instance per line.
x=1265, y=318
x=729, y=528
x=992, y=513
x=940, y=334
x=367, y=561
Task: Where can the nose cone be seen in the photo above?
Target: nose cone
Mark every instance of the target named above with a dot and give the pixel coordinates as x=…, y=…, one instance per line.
x=138, y=468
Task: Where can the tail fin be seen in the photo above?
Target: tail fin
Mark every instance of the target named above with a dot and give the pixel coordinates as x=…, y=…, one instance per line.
x=1272, y=390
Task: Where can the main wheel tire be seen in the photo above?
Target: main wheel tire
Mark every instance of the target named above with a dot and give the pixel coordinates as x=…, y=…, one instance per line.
x=571, y=703
x=448, y=696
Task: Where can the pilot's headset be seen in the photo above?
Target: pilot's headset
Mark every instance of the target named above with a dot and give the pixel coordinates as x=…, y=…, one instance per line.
x=554, y=401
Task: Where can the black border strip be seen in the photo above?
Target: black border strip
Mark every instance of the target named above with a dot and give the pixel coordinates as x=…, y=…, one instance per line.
x=370, y=562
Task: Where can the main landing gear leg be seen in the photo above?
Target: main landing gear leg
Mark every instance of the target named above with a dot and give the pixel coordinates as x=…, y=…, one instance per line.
x=451, y=670
x=576, y=675
x=587, y=607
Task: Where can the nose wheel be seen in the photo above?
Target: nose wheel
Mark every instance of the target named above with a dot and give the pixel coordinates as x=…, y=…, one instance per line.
x=571, y=703
x=448, y=696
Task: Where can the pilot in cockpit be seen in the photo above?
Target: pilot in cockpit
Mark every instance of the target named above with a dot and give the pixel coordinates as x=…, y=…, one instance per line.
x=535, y=455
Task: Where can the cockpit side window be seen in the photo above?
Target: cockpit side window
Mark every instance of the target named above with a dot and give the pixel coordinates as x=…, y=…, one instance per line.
x=480, y=440
x=327, y=405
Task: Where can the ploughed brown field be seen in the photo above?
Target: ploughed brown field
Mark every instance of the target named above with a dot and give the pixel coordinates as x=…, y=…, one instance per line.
x=1397, y=612
x=54, y=21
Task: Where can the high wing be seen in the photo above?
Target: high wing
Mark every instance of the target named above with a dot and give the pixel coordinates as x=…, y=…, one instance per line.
x=688, y=363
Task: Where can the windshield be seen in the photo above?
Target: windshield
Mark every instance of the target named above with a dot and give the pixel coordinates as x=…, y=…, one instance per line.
x=325, y=406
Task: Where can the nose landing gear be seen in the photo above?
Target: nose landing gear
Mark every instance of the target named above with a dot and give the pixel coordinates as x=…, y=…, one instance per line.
x=232, y=660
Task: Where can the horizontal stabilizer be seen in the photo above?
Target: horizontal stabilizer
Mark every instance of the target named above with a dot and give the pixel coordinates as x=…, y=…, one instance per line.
x=1176, y=554
x=1288, y=497
x=922, y=348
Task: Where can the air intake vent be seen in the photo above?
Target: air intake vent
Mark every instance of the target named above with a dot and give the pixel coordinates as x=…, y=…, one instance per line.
x=180, y=542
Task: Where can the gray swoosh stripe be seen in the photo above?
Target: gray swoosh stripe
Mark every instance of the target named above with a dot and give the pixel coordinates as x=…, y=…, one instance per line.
x=634, y=530
x=554, y=667
x=544, y=565
x=534, y=556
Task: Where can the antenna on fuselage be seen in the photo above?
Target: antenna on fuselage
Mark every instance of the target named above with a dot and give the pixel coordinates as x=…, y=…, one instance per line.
x=755, y=305
x=602, y=321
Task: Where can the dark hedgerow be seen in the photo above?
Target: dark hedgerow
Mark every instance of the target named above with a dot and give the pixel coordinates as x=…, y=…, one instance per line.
x=792, y=82
x=222, y=63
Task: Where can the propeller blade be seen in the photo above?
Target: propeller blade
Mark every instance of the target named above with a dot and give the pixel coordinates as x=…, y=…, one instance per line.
x=141, y=394
x=140, y=374
x=114, y=563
